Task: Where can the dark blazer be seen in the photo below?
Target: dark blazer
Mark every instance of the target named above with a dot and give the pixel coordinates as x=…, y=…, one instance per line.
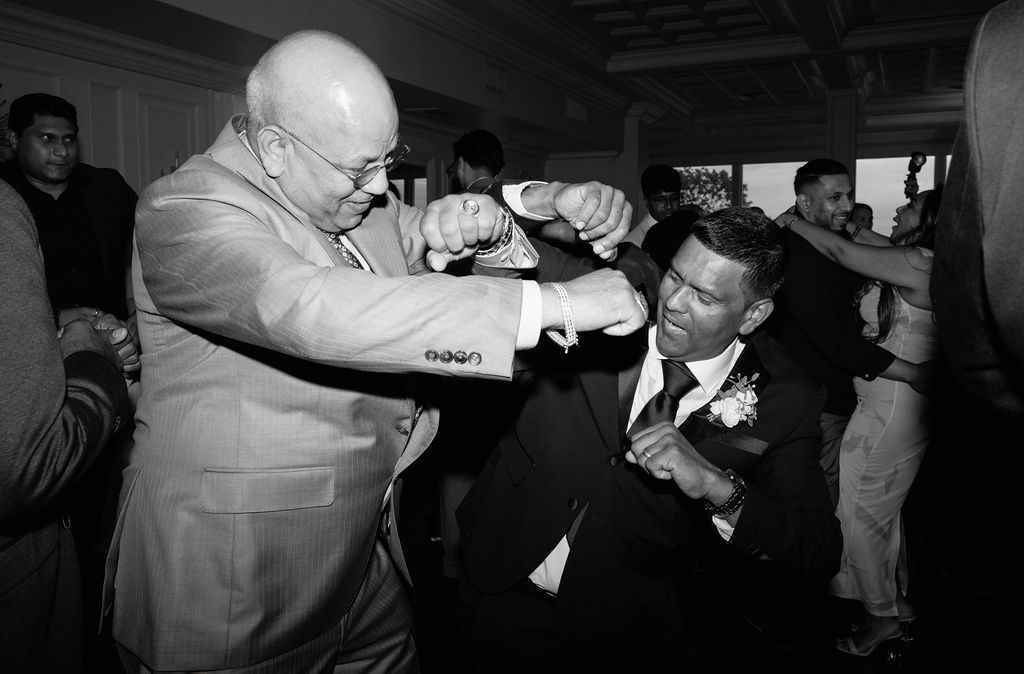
x=642, y=543
x=977, y=275
x=56, y=415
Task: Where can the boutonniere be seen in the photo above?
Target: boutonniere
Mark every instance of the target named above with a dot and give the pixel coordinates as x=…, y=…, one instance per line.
x=736, y=404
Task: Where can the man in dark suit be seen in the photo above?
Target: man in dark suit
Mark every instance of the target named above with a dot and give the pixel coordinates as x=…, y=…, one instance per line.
x=590, y=552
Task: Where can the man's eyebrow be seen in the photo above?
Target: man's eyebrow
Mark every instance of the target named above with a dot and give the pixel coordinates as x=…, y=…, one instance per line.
x=703, y=291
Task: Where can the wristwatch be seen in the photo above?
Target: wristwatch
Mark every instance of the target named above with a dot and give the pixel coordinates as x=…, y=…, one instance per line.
x=735, y=500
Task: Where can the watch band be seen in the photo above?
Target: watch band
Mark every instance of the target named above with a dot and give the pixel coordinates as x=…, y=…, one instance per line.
x=735, y=500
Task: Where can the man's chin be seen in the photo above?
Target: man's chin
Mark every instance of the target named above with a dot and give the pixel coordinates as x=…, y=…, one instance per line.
x=344, y=220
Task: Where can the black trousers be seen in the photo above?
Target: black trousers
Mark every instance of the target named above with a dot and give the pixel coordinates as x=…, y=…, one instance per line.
x=521, y=630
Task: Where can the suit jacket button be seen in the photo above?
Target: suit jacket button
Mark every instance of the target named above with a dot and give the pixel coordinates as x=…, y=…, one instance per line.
x=430, y=355
x=461, y=357
x=573, y=503
x=615, y=459
x=474, y=358
x=402, y=429
x=117, y=422
x=446, y=356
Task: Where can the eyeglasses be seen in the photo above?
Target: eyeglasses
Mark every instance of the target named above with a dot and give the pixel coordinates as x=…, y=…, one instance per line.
x=360, y=179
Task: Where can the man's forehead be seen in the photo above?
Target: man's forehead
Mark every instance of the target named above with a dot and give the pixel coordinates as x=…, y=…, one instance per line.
x=696, y=263
x=51, y=123
x=835, y=183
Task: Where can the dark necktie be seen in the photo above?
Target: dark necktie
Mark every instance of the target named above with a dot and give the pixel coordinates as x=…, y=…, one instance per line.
x=663, y=406
x=349, y=256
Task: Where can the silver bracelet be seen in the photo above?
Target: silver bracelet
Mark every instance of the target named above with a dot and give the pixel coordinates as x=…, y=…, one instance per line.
x=504, y=238
x=568, y=321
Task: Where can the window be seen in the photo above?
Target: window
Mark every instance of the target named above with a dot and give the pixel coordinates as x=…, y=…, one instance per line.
x=770, y=186
x=710, y=187
x=880, y=185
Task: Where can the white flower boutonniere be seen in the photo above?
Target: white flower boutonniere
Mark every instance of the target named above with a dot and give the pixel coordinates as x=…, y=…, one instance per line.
x=737, y=404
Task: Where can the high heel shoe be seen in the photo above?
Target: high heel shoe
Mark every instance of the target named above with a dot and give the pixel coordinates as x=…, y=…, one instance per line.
x=847, y=645
x=905, y=612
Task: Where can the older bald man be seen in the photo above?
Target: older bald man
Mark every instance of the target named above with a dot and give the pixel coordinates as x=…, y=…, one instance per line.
x=289, y=341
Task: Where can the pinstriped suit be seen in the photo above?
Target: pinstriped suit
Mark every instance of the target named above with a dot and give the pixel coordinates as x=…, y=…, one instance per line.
x=277, y=408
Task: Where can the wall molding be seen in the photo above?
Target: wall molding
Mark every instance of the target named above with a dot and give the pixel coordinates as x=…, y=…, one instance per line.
x=47, y=32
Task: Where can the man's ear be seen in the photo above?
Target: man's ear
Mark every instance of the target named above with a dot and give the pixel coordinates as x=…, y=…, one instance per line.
x=756, y=314
x=803, y=204
x=12, y=139
x=271, y=146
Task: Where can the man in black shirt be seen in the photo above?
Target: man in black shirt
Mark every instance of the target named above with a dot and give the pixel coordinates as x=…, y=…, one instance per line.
x=85, y=215
x=815, y=314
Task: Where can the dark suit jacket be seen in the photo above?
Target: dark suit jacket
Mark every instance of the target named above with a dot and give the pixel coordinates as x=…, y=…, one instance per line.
x=56, y=415
x=85, y=234
x=815, y=318
x=977, y=275
x=637, y=553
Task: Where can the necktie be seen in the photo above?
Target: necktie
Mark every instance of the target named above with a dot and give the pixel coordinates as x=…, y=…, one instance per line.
x=347, y=254
x=662, y=407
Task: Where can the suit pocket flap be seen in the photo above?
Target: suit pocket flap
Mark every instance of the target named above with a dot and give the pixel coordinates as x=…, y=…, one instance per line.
x=233, y=490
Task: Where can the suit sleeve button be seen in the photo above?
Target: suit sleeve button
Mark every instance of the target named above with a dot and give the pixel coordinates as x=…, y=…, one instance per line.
x=573, y=503
x=474, y=358
x=430, y=355
x=446, y=356
x=615, y=459
x=461, y=357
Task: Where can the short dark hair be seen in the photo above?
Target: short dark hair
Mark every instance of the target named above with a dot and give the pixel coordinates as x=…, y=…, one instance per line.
x=860, y=205
x=25, y=108
x=660, y=178
x=748, y=239
x=809, y=173
x=480, y=148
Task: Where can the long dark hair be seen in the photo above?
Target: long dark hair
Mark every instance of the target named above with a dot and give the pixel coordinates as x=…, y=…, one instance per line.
x=922, y=236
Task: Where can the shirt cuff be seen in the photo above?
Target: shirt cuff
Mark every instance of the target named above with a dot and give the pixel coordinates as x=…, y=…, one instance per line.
x=518, y=253
x=513, y=195
x=529, y=317
x=724, y=528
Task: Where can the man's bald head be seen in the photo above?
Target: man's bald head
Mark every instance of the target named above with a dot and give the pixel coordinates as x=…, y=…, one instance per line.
x=317, y=80
x=321, y=113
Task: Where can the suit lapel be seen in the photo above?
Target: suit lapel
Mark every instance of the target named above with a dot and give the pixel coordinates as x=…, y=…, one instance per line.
x=628, y=380
x=698, y=427
x=380, y=242
x=605, y=389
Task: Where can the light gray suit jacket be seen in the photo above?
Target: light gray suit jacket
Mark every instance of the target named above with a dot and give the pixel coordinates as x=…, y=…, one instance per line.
x=278, y=406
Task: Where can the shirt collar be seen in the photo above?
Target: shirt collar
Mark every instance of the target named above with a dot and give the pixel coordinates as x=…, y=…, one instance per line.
x=709, y=373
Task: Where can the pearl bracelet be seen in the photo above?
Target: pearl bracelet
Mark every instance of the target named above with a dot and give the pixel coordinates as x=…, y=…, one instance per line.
x=568, y=321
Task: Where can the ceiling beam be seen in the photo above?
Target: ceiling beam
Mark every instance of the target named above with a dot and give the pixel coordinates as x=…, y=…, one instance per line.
x=725, y=52
x=752, y=51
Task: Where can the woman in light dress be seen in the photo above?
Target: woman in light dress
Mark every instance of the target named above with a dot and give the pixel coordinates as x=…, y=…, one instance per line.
x=889, y=430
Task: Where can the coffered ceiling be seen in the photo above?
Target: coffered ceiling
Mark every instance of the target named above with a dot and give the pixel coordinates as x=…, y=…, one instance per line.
x=718, y=76
x=713, y=81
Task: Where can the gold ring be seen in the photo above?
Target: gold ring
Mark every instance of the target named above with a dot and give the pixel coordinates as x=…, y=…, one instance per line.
x=645, y=454
x=470, y=207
